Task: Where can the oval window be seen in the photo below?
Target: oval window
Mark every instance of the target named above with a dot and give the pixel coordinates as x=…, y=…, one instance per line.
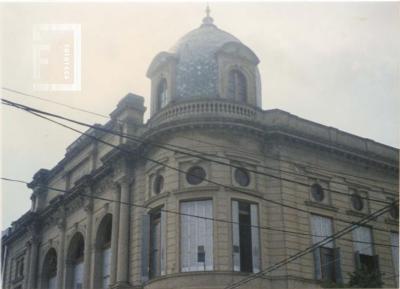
x=357, y=202
x=242, y=177
x=158, y=184
x=317, y=192
x=195, y=175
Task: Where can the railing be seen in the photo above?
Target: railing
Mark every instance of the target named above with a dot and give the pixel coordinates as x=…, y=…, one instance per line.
x=204, y=108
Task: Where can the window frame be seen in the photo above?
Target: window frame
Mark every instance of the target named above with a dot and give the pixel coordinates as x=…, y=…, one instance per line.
x=255, y=256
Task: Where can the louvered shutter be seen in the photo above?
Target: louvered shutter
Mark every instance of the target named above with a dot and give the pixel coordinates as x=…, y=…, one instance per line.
x=145, y=247
x=376, y=263
x=338, y=269
x=317, y=263
x=235, y=236
x=163, y=242
x=357, y=260
x=255, y=238
x=394, y=240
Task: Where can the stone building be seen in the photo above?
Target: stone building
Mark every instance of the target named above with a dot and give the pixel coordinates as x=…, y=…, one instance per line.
x=160, y=208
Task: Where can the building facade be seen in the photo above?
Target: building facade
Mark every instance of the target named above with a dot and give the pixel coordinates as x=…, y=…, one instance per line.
x=209, y=190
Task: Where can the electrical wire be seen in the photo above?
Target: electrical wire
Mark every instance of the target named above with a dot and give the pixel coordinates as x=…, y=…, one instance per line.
x=132, y=204
x=196, y=154
x=30, y=110
x=311, y=248
x=204, y=142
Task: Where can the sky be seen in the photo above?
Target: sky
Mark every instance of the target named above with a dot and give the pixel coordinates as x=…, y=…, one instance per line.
x=334, y=63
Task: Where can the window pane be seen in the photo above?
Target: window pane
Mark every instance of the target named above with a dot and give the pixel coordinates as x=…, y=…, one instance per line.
x=196, y=236
x=106, y=266
x=321, y=227
x=52, y=283
x=78, y=276
x=362, y=234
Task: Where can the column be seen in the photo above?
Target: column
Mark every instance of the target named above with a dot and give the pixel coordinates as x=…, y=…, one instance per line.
x=61, y=255
x=88, y=243
x=123, y=240
x=33, y=262
x=114, y=237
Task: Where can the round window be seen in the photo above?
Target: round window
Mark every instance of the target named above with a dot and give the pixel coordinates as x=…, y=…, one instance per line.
x=394, y=212
x=357, y=202
x=158, y=184
x=195, y=175
x=242, y=177
x=317, y=192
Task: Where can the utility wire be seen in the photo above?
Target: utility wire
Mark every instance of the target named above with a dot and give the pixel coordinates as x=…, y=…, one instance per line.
x=311, y=248
x=202, y=141
x=197, y=154
x=128, y=152
x=55, y=102
x=132, y=204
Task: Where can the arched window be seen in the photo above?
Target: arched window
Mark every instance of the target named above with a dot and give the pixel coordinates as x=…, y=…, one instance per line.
x=75, y=271
x=162, y=94
x=237, y=86
x=50, y=270
x=103, y=253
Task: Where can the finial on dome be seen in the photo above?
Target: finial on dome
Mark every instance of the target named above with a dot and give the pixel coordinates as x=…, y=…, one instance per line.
x=208, y=19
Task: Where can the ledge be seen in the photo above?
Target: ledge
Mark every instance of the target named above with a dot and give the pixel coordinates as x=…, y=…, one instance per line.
x=356, y=214
x=321, y=206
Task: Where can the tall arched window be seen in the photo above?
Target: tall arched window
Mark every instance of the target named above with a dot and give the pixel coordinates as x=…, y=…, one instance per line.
x=162, y=94
x=50, y=270
x=75, y=260
x=237, y=85
x=103, y=253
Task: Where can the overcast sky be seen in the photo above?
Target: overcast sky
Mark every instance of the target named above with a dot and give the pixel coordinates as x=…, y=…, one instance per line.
x=333, y=63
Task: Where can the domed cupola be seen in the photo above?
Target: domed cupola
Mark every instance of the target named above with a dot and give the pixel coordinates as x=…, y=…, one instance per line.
x=206, y=63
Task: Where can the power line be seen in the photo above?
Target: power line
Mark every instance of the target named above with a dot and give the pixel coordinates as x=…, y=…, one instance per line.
x=128, y=152
x=56, y=102
x=292, y=161
x=196, y=155
x=309, y=249
x=132, y=204
x=202, y=141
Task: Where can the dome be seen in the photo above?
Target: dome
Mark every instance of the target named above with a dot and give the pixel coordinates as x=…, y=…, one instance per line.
x=197, y=67
x=206, y=63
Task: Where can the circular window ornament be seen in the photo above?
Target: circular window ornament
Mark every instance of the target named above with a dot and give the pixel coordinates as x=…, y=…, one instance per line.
x=195, y=175
x=357, y=202
x=317, y=192
x=242, y=177
x=158, y=184
x=394, y=212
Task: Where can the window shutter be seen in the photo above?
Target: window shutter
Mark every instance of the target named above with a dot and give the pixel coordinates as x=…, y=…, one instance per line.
x=255, y=238
x=235, y=236
x=163, y=242
x=357, y=260
x=317, y=263
x=338, y=269
x=376, y=263
x=145, y=246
